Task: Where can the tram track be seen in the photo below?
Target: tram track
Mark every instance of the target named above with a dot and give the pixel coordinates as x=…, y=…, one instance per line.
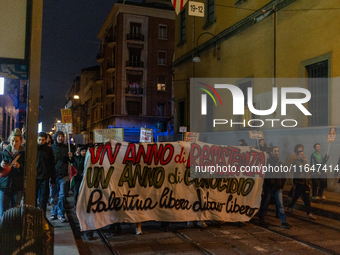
x=296, y=239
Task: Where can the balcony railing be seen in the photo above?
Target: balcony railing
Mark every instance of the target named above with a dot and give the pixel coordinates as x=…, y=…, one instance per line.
x=133, y=90
x=135, y=64
x=135, y=37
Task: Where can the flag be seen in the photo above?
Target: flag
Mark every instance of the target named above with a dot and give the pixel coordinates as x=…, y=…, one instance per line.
x=178, y=5
x=73, y=173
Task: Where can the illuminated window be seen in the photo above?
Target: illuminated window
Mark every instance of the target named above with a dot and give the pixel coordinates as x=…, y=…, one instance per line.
x=161, y=83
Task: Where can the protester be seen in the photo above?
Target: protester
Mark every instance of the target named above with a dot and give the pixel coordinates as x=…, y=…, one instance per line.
x=45, y=171
x=242, y=142
x=319, y=178
x=273, y=184
x=79, y=162
x=49, y=140
x=12, y=172
x=61, y=158
x=298, y=147
x=302, y=184
x=263, y=146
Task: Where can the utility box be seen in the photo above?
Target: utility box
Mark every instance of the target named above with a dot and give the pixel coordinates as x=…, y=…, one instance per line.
x=25, y=230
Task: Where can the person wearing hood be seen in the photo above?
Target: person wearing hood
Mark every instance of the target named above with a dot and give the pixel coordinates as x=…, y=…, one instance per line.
x=79, y=162
x=61, y=158
x=12, y=172
x=45, y=171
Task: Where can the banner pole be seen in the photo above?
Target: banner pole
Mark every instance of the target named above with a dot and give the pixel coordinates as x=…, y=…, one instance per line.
x=329, y=145
x=68, y=139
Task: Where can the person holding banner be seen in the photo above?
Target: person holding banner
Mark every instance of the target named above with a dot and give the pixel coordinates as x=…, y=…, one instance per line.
x=318, y=177
x=302, y=184
x=273, y=184
x=12, y=172
x=61, y=158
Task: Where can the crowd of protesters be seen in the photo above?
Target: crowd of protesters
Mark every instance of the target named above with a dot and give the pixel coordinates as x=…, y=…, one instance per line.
x=53, y=181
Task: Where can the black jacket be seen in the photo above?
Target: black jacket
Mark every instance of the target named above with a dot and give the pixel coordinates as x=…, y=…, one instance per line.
x=15, y=180
x=45, y=163
x=79, y=165
x=301, y=173
x=274, y=180
x=61, y=159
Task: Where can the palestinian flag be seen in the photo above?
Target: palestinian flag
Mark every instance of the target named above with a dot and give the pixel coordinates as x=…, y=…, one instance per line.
x=73, y=173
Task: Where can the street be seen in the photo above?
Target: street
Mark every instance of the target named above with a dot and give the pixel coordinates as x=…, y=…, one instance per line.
x=305, y=237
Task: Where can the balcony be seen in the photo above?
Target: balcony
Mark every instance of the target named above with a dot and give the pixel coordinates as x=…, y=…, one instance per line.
x=134, y=64
x=110, y=68
x=100, y=57
x=133, y=90
x=135, y=37
x=111, y=41
x=110, y=92
x=96, y=101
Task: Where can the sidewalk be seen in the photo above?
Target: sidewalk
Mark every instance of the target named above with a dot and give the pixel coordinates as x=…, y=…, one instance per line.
x=329, y=208
x=64, y=240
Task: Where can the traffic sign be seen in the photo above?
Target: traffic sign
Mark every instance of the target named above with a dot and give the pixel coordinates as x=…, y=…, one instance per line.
x=158, y=125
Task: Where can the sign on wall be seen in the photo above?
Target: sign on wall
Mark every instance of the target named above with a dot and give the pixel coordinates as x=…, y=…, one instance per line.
x=104, y=135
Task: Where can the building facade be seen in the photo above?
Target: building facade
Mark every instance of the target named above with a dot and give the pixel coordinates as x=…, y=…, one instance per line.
x=250, y=43
x=136, y=54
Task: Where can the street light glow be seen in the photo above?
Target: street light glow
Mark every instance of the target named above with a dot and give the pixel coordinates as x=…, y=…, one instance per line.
x=58, y=121
x=76, y=97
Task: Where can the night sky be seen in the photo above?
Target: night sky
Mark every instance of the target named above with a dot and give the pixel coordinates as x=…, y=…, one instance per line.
x=69, y=44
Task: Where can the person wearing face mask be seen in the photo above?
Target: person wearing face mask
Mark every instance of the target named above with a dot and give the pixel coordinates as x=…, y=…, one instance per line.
x=61, y=159
x=12, y=172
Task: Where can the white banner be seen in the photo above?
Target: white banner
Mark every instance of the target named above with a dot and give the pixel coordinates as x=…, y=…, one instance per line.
x=104, y=135
x=126, y=182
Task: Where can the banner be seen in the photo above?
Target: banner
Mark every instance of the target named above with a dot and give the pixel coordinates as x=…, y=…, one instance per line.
x=146, y=135
x=127, y=182
x=191, y=137
x=331, y=134
x=104, y=135
x=64, y=127
x=66, y=116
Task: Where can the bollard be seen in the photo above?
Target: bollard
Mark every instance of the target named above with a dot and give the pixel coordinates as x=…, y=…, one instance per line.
x=25, y=230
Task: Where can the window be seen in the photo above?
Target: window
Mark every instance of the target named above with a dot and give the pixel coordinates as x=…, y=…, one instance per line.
x=210, y=11
x=134, y=107
x=135, y=28
x=161, y=58
x=161, y=83
x=160, y=109
x=318, y=87
x=162, y=32
x=134, y=84
x=182, y=26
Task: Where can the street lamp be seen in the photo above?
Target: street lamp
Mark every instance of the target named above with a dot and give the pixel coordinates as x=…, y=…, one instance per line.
x=76, y=97
x=58, y=121
x=197, y=58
